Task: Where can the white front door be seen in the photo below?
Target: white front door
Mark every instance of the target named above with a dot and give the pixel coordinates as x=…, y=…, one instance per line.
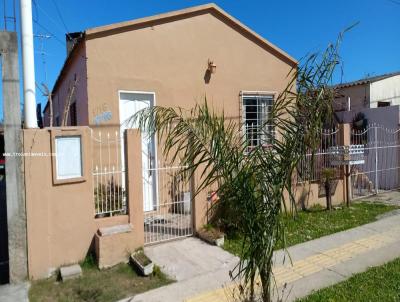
x=129, y=104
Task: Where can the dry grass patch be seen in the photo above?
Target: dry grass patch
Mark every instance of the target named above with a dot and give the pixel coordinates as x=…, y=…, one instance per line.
x=97, y=285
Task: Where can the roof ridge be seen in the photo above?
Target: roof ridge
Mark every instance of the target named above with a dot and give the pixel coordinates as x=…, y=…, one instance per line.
x=368, y=79
x=110, y=29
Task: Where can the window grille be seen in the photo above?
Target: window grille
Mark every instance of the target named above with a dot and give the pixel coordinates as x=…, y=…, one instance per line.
x=255, y=116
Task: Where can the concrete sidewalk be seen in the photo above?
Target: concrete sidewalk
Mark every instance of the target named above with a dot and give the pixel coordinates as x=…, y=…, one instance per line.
x=315, y=264
x=14, y=292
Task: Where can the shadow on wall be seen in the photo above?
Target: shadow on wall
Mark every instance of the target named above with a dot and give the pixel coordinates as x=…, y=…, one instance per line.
x=207, y=76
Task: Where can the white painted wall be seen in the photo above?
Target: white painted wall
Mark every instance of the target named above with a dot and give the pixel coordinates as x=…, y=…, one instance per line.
x=387, y=90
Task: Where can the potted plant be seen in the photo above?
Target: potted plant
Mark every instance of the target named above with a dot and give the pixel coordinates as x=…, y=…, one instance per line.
x=211, y=235
x=142, y=262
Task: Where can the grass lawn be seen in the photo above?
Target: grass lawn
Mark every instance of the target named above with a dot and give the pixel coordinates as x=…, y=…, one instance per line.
x=96, y=286
x=381, y=284
x=318, y=222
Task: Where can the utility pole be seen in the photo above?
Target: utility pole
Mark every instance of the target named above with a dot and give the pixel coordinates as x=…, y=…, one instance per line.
x=28, y=63
x=15, y=188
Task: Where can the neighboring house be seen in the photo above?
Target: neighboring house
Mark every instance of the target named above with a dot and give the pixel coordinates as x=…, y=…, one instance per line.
x=371, y=92
x=365, y=95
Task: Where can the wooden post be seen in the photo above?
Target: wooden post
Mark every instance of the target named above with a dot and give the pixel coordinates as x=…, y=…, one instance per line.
x=345, y=140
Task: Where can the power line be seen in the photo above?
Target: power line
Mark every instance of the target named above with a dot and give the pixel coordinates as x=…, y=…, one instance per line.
x=50, y=33
x=9, y=18
x=61, y=18
x=59, y=27
x=42, y=38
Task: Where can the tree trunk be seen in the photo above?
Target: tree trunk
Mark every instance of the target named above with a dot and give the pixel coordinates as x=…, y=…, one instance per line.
x=265, y=276
x=328, y=195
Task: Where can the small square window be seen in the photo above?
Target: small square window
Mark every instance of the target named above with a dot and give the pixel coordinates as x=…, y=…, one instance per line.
x=68, y=157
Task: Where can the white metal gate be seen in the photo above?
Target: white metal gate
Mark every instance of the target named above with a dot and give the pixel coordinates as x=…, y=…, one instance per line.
x=171, y=216
x=380, y=171
x=108, y=172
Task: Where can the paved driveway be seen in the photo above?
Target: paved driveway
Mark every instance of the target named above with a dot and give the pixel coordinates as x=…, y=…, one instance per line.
x=197, y=266
x=188, y=258
x=386, y=197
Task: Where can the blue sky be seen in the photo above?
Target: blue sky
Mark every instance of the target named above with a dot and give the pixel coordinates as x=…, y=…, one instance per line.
x=298, y=27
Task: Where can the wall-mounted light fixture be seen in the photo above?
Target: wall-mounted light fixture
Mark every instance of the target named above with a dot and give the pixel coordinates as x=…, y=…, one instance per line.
x=212, y=68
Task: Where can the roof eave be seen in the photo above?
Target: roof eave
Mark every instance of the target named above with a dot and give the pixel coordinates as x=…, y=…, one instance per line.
x=96, y=32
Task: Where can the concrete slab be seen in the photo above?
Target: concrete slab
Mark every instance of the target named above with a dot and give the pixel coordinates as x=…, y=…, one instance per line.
x=14, y=292
x=307, y=284
x=70, y=272
x=369, y=259
x=116, y=229
x=191, y=257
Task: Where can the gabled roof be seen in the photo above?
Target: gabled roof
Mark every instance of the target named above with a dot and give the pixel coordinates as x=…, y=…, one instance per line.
x=368, y=80
x=101, y=31
x=187, y=13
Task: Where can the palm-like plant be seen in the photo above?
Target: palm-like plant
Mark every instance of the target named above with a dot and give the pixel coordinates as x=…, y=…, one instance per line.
x=254, y=185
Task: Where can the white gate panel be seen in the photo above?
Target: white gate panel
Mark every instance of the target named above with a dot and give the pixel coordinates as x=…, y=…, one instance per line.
x=172, y=214
x=381, y=169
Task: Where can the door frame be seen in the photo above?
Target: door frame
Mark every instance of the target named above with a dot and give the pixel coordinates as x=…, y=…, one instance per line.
x=155, y=140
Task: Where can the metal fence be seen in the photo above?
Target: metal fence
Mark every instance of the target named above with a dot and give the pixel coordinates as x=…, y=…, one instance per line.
x=170, y=216
x=312, y=166
x=381, y=168
x=108, y=172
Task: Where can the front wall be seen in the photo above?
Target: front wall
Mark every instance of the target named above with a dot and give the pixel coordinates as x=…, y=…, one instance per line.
x=171, y=60
x=307, y=195
x=60, y=217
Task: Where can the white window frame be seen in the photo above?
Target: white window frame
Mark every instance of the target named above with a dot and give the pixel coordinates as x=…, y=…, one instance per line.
x=70, y=139
x=65, y=133
x=258, y=95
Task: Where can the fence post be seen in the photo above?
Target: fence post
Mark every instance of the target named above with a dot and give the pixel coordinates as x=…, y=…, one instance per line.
x=376, y=160
x=345, y=140
x=134, y=185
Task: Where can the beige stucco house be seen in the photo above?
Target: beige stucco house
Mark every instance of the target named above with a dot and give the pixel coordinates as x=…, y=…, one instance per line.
x=124, y=194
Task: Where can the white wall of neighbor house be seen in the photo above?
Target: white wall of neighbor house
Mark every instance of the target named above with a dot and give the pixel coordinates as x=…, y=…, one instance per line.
x=386, y=90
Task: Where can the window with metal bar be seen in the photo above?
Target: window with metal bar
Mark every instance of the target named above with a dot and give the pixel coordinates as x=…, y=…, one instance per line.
x=255, y=115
